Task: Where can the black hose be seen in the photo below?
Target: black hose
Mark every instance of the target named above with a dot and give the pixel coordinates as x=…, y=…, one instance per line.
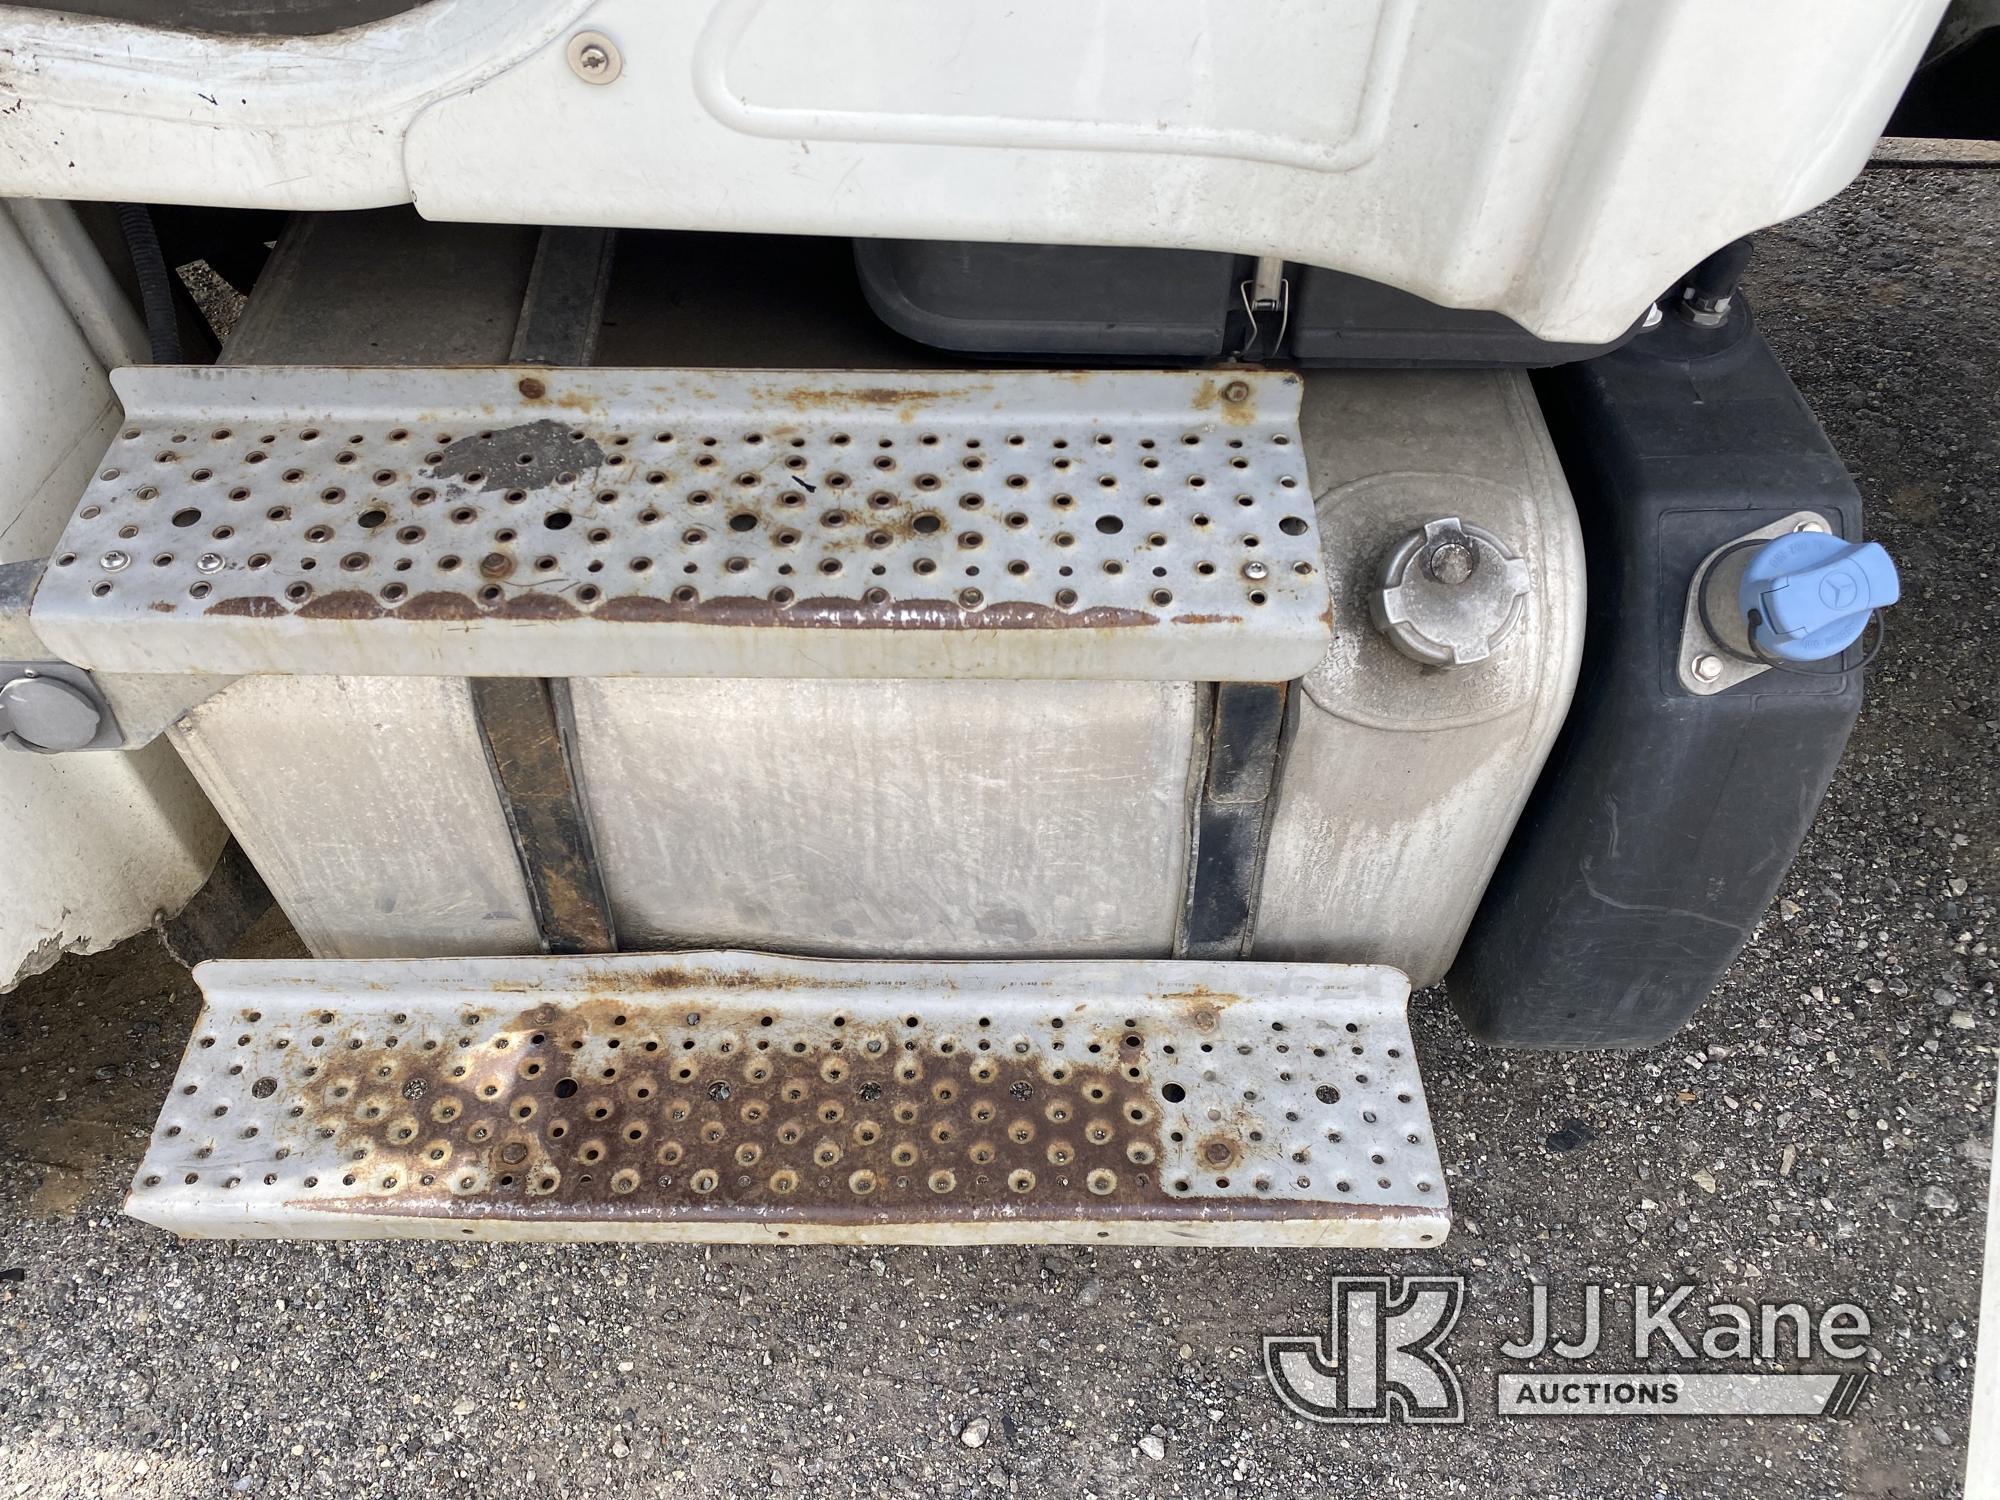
x=156, y=282
x=1715, y=277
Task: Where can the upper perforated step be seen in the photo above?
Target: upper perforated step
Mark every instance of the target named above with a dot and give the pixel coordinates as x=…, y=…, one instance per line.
x=696, y=523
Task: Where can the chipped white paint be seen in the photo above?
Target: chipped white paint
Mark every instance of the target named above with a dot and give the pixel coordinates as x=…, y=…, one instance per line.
x=95, y=844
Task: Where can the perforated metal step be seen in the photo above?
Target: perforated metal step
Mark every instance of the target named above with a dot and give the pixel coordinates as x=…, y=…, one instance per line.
x=497, y=522
x=731, y=1096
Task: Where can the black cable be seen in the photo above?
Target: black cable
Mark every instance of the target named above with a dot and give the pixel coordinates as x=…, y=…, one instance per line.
x=1701, y=600
x=1797, y=670
x=156, y=282
x=1715, y=277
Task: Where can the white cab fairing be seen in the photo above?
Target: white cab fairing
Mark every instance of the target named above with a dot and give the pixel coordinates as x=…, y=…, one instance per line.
x=1560, y=161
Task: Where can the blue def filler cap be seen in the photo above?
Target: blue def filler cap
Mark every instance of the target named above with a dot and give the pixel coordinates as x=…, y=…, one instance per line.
x=1812, y=593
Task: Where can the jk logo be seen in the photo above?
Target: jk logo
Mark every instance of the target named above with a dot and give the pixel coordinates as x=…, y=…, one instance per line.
x=1379, y=1361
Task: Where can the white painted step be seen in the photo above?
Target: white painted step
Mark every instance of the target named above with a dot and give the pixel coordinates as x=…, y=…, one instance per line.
x=585, y=522
x=730, y=1096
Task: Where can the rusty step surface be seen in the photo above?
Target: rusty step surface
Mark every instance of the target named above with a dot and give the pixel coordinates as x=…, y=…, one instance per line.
x=729, y=1096
x=498, y=522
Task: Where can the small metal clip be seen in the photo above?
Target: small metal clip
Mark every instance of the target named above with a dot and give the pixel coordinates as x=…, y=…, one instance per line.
x=1268, y=291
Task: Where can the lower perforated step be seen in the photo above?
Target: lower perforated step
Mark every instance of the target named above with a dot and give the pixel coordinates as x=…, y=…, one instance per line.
x=732, y=1096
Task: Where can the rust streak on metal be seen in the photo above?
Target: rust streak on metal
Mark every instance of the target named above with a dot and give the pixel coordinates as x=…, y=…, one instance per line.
x=535, y=607
x=1218, y=1152
x=805, y=398
x=1202, y=999
x=740, y=1096
x=438, y=604
x=1230, y=397
x=615, y=1105
x=857, y=614
x=674, y=978
x=344, y=604
x=521, y=730
x=259, y=607
x=804, y=614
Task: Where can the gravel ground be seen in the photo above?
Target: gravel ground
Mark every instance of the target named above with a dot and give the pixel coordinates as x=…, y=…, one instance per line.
x=1820, y=1132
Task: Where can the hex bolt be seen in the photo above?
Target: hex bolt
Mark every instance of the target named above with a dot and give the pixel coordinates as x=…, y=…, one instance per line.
x=1707, y=668
x=1710, y=291
x=1452, y=560
x=1705, y=312
x=111, y=562
x=1256, y=572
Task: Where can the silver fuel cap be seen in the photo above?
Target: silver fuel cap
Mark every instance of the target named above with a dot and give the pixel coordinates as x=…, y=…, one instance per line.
x=1450, y=594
